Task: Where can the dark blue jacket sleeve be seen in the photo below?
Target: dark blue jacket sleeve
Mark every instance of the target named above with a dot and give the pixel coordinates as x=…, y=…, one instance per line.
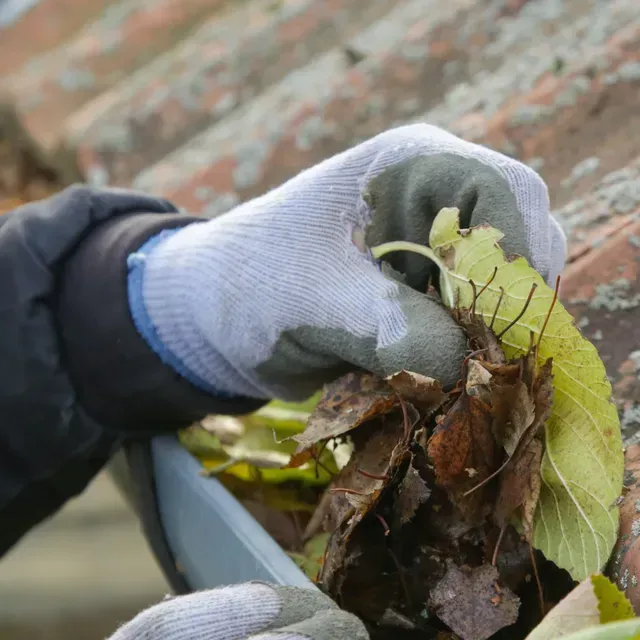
x=65, y=336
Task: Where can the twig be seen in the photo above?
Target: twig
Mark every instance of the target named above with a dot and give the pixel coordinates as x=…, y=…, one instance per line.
x=494, y=559
x=405, y=415
x=534, y=286
x=403, y=582
x=546, y=320
x=475, y=297
x=538, y=583
x=373, y=476
x=487, y=479
x=316, y=455
x=384, y=524
x=354, y=492
x=495, y=312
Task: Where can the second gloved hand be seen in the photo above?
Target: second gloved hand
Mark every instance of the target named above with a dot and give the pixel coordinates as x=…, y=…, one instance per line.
x=280, y=295
x=252, y=611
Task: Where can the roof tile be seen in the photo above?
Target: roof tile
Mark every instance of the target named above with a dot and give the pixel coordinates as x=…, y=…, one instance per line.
x=221, y=67
x=128, y=34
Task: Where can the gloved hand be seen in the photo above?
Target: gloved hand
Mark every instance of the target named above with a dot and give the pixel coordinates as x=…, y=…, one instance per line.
x=279, y=295
x=254, y=611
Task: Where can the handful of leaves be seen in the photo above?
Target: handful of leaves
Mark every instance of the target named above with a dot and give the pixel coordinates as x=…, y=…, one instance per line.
x=446, y=512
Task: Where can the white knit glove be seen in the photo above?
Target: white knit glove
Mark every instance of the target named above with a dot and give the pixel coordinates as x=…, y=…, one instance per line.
x=252, y=611
x=278, y=296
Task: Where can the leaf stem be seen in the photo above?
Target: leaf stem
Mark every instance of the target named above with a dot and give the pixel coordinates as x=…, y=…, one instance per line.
x=534, y=286
x=546, y=320
x=402, y=245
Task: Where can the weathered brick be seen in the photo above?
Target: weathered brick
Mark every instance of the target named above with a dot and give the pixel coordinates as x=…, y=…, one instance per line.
x=608, y=207
x=324, y=107
x=559, y=100
x=127, y=34
x=42, y=27
x=222, y=66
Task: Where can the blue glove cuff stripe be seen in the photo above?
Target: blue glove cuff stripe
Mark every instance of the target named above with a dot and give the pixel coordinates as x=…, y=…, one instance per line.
x=136, y=265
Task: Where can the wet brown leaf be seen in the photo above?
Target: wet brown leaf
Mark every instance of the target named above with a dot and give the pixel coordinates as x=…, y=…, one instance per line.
x=357, y=487
x=423, y=392
x=463, y=440
x=347, y=403
x=478, y=381
x=520, y=480
x=514, y=412
x=472, y=602
x=520, y=487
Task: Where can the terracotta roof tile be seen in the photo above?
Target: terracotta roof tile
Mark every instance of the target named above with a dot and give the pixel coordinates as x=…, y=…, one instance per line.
x=128, y=34
x=223, y=66
x=47, y=24
x=210, y=103
x=324, y=107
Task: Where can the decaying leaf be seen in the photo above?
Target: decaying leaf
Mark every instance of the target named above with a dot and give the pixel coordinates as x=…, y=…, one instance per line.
x=582, y=464
x=348, y=402
x=357, y=487
x=473, y=603
x=520, y=481
x=412, y=492
x=478, y=381
x=419, y=390
x=595, y=601
x=513, y=411
x=463, y=440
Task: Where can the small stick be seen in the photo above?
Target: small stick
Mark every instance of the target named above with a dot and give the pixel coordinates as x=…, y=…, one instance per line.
x=494, y=559
x=475, y=297
x=384, y=524
x=487, y=479
x=534, y=286
x=546, y=320
x=538, y=583
x=491, y=279
x=403, y=582
x=316, y=455
x=373, y=476
x=405, y=414
x=354, y=492
x=493, y=318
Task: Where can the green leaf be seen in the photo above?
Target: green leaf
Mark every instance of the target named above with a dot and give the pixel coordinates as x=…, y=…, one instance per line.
x=613, y=604
x=255, y=447
x=575, y=524
x=625, y=630
x=310, y=560
x=595, y=601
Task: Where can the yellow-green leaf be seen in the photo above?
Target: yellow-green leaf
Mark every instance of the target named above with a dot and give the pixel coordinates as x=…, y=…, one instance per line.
x=613, y=604
x=625, y=630
x=575, y=524
x=255, y=447
x=595, y=601
x=310, y=560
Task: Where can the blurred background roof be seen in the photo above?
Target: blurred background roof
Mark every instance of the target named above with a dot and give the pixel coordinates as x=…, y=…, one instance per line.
x=211, y=102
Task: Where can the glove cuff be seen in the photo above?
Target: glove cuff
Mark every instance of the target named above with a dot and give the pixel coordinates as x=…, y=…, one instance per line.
x=118, y=378
x=136, y=263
